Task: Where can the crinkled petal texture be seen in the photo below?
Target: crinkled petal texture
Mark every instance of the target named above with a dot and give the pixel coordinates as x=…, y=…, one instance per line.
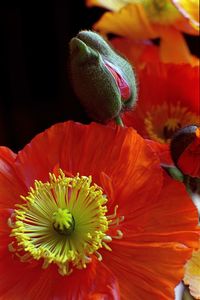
x=159, y=227
x=167, y=93
x=163, y=151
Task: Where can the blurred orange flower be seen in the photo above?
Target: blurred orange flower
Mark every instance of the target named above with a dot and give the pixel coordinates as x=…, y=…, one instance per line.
x=140, y=53
x=140, y=20
x=95, y=224
x=168, y=100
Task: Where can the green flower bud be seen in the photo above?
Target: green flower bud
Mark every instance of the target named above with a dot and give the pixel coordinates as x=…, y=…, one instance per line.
x=103, y=80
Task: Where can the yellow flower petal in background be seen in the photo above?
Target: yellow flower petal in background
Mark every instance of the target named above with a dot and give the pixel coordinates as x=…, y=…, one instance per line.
x=192, y=274
x=182, y=14
x=145, y=20
x=114, y=5
x=161, y=11
x=131, y=21
x=190, y=10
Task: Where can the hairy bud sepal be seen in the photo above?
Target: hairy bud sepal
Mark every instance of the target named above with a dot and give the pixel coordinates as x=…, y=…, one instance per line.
x=103, y=81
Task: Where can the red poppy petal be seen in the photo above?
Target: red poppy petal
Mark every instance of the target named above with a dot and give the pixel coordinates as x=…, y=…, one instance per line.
x=76, y=149
x=156, y=267
x=158, y=87
x=7, y=154
x=31, y=282
x=157, y=241
x=11, y=187
x=162, y=150
x=172, y=215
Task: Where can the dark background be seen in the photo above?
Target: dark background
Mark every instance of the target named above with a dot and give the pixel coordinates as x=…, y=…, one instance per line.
x=34, y=87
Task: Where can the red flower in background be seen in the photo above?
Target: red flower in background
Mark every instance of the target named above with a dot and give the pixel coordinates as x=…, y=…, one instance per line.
x=168, y=100
x=106, y=222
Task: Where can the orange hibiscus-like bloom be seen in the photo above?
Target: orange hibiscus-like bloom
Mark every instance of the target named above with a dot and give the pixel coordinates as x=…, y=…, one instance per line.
x=168, y=100
x=141, y=20
x=97, y=218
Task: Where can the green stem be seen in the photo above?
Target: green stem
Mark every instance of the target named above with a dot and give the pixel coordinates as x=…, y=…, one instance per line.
x=118, y=121
x=187, y=184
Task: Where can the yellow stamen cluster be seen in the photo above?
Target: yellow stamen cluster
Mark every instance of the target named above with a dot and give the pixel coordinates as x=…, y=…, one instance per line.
x=165, y=119
x=63, y=221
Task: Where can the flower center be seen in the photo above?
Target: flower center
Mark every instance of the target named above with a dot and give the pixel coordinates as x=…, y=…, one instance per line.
x=162, y=121
x=170, y=127
x=63, y=221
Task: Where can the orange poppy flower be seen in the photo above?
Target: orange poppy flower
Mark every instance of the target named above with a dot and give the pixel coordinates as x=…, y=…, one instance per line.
x=141, y=20
x=97, y=218
x=168, y=100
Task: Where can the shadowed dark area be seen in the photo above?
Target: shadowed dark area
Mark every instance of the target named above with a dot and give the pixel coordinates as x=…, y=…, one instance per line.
x=35, y=91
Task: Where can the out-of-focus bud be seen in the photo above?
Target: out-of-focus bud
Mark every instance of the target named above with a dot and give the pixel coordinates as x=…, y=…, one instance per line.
x=102, y=79
x=185, y=150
